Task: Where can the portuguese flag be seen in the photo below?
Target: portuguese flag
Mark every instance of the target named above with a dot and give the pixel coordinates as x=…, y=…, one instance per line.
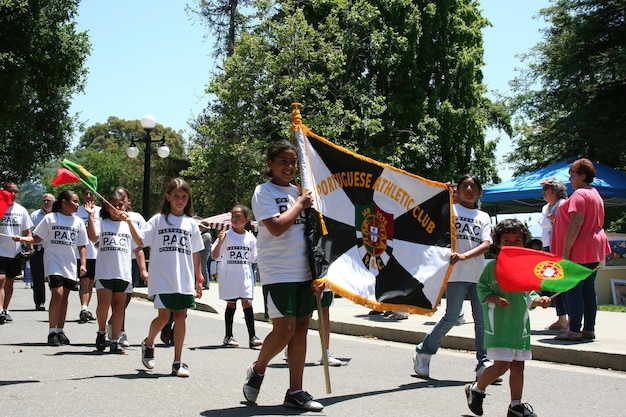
x=521, y=269
x=72, y=172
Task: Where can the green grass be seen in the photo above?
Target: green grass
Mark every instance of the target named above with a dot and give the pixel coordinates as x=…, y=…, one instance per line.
x=612, y=307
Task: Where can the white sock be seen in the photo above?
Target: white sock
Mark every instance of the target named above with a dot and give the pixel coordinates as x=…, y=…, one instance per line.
x=515, y=402
x=475, y=388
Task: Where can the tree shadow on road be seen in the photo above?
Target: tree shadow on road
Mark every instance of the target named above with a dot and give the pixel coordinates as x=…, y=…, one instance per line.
x=139, y=374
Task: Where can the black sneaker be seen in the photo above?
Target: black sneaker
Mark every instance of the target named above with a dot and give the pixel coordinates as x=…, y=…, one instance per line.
x=90, y=316
x=302, y=400
x=253, y=384
x=7, y=316
x=100, y=341
x=2, y=317
x=63, y=338
x=84, y=315
x=521, y=410
x=180, y=369
x=116, y=348
x=147, y=355
x=474, y=400
x=53, y=339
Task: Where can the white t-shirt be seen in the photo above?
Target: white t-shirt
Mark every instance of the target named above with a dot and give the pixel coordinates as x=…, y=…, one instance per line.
x=281, y=258
x=15, y=220
x=115, y=246
x=61, y=236
x=139, y=221
x=237, y=254
x=546, y=224
x=473, y=227
x=172, y=245
x=91, y=250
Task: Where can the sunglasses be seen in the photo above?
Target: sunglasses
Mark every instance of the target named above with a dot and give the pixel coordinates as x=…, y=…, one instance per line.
x=546, y=187
x=47, y=201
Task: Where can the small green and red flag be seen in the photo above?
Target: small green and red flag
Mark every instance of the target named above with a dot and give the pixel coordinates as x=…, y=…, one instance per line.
x=72, y=172
x=522, y=269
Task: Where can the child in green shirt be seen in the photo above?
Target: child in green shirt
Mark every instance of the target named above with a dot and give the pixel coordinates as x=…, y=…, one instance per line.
x=507, y=327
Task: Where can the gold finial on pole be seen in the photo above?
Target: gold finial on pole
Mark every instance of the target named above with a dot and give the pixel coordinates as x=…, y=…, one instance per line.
x=296, y=117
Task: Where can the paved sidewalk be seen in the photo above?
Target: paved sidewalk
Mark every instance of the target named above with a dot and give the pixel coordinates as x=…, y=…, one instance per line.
x=608, y=351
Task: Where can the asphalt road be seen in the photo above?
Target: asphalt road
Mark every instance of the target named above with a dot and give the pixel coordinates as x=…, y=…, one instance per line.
x=377, y=380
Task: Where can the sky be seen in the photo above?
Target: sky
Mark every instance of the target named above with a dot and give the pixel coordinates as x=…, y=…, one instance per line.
x=152, y=57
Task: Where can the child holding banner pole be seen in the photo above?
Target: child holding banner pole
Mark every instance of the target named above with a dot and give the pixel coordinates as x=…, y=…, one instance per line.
x=279, y=207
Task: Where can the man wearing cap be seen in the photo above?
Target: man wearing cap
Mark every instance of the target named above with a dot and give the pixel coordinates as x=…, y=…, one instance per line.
x=36, y=261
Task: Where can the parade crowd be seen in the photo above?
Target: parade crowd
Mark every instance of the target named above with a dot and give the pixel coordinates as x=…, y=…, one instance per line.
x=76, y=247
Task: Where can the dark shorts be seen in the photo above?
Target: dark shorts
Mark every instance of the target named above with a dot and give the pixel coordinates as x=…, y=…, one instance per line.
x=10, y=267
x=56, y=281
x=91, y=269
x=291, y=299
x=174, y=301
x=115, y=285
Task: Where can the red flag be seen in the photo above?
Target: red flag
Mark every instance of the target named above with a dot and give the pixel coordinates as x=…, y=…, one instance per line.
x=521, y=269
x=6, y=200
x=65, y=176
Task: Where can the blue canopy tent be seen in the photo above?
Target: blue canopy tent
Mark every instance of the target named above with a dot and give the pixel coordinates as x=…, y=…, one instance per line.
x=523, y=194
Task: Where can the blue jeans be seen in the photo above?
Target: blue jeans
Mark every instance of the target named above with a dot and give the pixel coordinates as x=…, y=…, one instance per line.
x=455, y=294
x=582, y=302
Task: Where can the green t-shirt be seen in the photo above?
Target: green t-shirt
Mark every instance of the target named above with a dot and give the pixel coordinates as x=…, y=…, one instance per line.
x=505, y=327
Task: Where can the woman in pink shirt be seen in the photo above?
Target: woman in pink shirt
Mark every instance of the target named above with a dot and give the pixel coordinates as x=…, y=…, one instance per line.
x=578, y=236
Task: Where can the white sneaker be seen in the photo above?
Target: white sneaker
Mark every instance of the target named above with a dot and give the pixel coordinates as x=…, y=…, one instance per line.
x=398, y=315
x=421, y=364
x=230, y=341
x=147, y=355
x=332, y=361
x=124, y=340
x=180, y=370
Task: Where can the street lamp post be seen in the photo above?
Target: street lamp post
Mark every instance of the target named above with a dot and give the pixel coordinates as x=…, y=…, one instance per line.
x=148, y=123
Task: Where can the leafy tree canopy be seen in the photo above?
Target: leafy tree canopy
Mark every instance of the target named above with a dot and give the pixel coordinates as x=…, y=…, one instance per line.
x=398, y=81
x=42, y=59
x=569, y=100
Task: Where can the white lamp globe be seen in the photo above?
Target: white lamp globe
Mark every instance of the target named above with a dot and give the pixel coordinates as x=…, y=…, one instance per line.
x=148, y=122
x=132, y=152
x=163, y=151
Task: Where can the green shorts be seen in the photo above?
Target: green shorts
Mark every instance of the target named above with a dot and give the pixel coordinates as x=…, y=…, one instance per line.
x=327, y=299
x=290, y=299
x=115, y=285
x=174, y=301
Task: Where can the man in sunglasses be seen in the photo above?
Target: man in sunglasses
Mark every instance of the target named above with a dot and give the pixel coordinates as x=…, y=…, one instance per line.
x=36, y=261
